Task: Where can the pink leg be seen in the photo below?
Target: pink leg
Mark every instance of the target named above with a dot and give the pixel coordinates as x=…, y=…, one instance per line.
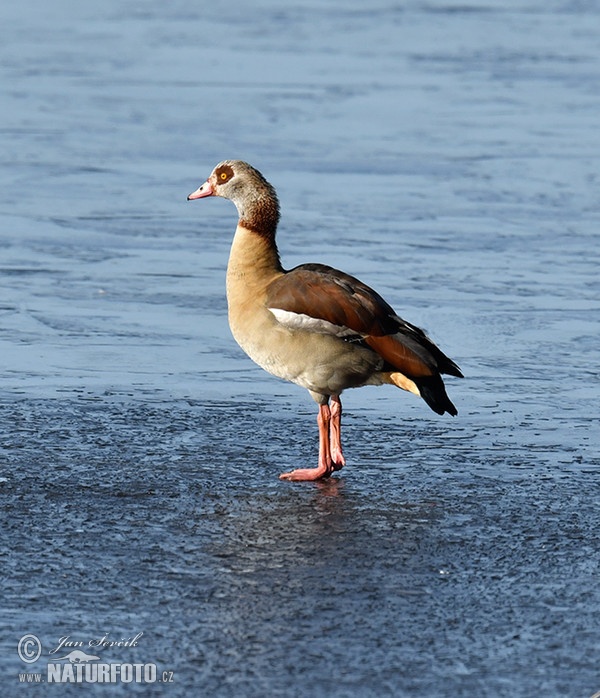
x=325, y=466
x=337, y=457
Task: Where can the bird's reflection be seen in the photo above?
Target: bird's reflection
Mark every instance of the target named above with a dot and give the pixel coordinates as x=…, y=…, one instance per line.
x=331, y=487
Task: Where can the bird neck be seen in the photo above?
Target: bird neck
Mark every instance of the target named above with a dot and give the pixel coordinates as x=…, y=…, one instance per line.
x=258, y=210
x=253, y=260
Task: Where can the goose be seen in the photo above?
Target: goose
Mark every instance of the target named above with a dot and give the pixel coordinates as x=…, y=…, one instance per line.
x=313, y=325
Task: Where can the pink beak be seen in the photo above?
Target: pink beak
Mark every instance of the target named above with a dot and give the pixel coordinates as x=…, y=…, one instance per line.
x=205, y=190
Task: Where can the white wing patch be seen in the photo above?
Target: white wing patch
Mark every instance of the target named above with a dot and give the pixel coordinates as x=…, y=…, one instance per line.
x=300, y=321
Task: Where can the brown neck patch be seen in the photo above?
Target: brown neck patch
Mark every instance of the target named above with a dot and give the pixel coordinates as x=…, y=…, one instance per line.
x=261, y=214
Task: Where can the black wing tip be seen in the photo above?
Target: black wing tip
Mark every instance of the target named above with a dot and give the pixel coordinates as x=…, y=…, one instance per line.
x=437, y=358
x=452, y=370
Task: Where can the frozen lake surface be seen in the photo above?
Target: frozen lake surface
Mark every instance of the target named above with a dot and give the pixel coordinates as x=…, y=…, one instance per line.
x=446, y=154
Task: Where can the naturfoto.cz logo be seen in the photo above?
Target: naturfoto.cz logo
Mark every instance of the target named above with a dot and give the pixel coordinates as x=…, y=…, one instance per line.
x=77, y=665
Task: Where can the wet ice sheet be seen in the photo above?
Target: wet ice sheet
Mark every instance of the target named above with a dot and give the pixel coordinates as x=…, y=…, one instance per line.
x=444, y=154
x=449, y=567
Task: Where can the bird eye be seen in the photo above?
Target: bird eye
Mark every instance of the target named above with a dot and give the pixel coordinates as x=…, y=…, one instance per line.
x=223, y=176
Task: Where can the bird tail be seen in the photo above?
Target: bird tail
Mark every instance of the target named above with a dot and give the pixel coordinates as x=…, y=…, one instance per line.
x=433, y=391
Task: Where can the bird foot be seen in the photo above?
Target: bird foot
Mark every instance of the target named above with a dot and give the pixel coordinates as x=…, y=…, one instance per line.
x=307, y=474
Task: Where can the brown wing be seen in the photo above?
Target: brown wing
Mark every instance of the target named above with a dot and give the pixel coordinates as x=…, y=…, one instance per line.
x=411, y=349
x=318, y=298
x=322, y=293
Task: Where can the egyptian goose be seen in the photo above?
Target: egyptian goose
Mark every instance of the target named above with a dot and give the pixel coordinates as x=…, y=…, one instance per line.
x=313, y=325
